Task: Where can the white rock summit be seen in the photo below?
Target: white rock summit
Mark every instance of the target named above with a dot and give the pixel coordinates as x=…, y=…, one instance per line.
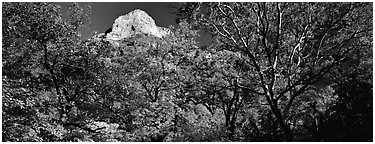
x=135, y=22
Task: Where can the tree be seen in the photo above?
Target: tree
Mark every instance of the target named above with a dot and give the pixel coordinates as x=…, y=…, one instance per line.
x=350, y=118
x=276, y=69
x=289, y=47
x=36, y=43
x=212, y=83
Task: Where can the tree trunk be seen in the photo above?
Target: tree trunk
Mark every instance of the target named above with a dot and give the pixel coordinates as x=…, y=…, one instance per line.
x=287, y=132
x=286, y=129
x=230, y=127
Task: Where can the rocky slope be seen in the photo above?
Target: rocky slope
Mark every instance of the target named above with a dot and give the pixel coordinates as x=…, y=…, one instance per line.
x=135, y=22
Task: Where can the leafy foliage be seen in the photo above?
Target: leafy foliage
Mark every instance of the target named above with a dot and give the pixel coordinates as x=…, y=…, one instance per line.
x=277, y=72
x=287, y=49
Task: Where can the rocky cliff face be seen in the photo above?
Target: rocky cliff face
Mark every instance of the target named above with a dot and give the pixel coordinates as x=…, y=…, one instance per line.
x=135, y=22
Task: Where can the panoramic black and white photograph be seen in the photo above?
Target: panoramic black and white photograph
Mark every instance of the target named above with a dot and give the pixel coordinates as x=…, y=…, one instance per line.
x=187, y=72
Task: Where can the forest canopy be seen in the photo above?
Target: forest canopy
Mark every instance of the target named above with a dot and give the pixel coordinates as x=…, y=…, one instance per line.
x=275, y=72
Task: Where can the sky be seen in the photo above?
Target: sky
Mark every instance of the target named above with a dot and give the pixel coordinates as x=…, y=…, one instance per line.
x=104, y=14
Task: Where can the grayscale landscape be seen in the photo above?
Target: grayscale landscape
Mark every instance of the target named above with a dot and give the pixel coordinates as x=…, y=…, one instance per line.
x=187, y=72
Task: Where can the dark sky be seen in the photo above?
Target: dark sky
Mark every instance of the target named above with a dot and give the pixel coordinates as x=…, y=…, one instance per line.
x=104, y=14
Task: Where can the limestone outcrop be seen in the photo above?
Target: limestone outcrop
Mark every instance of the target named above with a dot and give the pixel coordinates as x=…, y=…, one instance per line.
x=135, y=22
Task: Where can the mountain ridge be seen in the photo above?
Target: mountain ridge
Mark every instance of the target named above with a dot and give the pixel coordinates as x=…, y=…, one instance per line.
x=131, y=24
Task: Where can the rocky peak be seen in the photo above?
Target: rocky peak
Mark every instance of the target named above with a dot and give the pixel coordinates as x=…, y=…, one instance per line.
x=135, y=22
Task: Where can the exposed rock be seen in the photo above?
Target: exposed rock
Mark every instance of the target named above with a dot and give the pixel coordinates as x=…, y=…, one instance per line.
x=97, y=36
x=135, y=22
